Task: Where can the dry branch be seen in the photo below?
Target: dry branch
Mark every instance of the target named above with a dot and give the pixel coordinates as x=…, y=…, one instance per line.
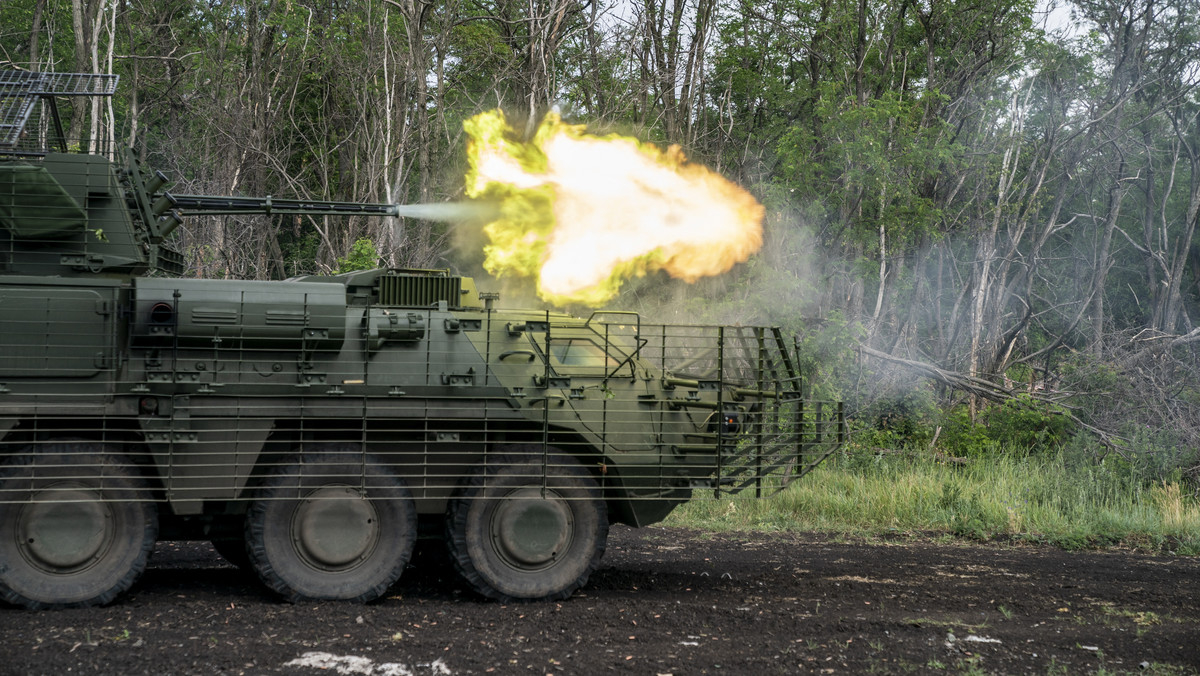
x=988, y=390
x=953, y=379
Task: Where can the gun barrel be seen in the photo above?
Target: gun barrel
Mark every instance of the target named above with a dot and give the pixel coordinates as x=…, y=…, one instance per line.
x=195, y=205
x=211, y=205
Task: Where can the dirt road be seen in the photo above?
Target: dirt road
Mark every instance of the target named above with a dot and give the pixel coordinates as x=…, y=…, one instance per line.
x=666, y=601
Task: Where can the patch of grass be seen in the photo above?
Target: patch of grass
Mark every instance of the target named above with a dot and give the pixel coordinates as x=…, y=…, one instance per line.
x=1055, y=668
x=1143, y=620
x=1039, y=498
x=970, y=666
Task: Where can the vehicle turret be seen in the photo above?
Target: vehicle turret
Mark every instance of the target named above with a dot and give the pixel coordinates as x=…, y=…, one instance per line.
x=68, y=213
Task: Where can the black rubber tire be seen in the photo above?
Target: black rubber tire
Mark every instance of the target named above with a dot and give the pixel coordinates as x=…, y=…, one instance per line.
x=512, y=542
x=84, y=550
x=290, y=533
x=233, y=550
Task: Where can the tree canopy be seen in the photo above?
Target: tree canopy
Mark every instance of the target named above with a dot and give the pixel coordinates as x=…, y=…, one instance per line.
x=962, y=184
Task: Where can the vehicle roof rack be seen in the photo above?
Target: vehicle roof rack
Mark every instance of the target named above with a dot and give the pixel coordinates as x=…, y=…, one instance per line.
x=21, y=91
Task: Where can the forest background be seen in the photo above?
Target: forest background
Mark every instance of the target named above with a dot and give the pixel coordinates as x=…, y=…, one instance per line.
x=981, y=223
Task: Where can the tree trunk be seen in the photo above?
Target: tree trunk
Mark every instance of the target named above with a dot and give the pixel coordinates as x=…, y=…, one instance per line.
x=1116, y=195
x=35, y=33
x=1183, y=247
x=83, y=22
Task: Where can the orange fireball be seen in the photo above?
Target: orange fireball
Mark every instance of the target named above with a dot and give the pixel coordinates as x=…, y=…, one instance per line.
x=582, y=213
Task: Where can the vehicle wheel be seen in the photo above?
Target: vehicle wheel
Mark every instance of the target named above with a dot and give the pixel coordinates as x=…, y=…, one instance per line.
x=233, y=550
x=512, y=539
x=76, y=527
x=329, y=527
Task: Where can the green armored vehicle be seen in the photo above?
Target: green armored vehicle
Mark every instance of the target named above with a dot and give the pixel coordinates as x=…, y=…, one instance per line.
x=312, y=428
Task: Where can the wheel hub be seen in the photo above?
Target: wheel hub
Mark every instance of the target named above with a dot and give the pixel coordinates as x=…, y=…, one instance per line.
x=64, y=529
x=335, y=528
x=531, y=530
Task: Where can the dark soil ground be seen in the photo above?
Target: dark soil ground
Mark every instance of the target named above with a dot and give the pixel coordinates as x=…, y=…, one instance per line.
x=666, y=601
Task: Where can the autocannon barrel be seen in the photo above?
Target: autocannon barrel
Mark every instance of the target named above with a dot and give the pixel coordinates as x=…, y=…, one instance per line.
x=190, y=205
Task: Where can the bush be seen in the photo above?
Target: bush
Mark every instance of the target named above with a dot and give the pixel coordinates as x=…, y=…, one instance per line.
x=1096, y=385
x=825, y=353
x=1028, y=423
x=1022, y=423
x=898, y=418
x=963, y=437
x=1146, y=456
x=1145, y=394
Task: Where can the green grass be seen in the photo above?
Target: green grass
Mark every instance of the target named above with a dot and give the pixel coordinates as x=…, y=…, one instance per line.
x=1072, y=505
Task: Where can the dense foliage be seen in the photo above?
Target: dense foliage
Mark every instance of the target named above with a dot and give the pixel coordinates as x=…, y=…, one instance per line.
x=964, y=185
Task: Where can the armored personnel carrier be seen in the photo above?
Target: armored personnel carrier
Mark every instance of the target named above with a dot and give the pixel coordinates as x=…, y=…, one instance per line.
x=313, y=428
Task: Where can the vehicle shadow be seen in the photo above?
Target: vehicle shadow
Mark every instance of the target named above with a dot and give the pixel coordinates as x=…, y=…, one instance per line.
x=195, y=571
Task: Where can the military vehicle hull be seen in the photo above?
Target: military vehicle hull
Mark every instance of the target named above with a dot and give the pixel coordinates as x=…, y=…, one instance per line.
x=314, y=428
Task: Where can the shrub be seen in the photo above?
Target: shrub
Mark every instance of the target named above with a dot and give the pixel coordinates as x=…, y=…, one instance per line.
x=1027, y=423
x=363, y=256
x=1022, y=423
x=901, y=417
x=963, y=437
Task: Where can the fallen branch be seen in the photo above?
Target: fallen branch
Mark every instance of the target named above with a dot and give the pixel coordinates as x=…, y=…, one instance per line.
x=1174, y=341
x=1190, y=337
x=993, y=392
x=953, y=379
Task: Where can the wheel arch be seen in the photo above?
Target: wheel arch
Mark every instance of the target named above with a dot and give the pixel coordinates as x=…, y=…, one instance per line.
x=116, y=437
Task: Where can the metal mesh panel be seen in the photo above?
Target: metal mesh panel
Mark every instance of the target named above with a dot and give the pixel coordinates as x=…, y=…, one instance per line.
x=59, y=84
x=16, y=103
x=22, y=95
